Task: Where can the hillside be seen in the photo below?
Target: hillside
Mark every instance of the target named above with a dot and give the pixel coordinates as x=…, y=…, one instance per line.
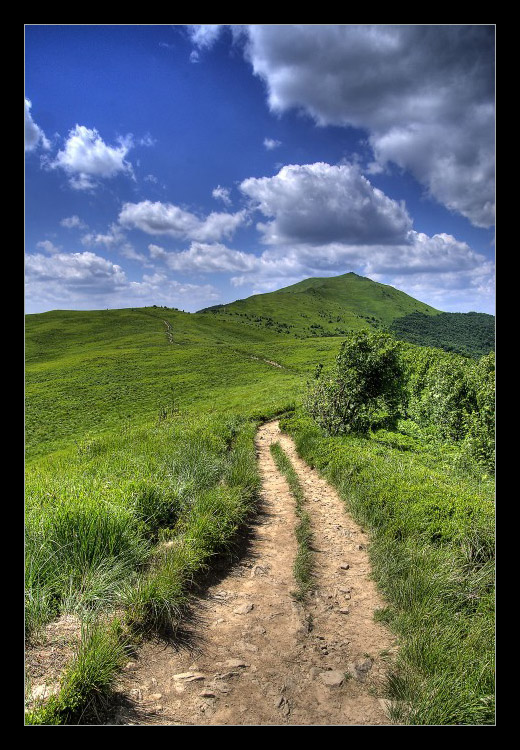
x=99, y=369
x=143, y=467
x=323, y=307
x=471, y=334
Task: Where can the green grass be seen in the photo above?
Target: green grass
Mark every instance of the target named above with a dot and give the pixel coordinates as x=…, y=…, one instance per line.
x=141, y=465
x=87, y=683
x=322, y=307
x=303, y=564
x=432, y=525
x=96, y=371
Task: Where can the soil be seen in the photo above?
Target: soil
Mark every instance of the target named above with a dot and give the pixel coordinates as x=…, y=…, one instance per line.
x=255, y=655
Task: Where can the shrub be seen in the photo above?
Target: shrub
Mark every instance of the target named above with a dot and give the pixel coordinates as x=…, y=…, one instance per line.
x=365, y=389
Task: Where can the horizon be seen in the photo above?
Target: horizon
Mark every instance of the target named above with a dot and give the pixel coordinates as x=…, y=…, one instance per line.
x=192, y=166
x=238, y=299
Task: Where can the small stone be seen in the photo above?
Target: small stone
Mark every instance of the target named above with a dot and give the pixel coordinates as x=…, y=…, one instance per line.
x=235, y=663
x=344, y=611
x=155, y=696
x=344, y=566
x=131, y=666
x=243, y=609
x=188, y=676
x=363, y=666
x=332, y=678
x=206, y=694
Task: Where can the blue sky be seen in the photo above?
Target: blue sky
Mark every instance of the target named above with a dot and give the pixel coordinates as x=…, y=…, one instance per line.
x=193, y=165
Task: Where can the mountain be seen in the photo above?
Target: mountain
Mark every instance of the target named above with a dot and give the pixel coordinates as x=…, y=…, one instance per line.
x=329, y=306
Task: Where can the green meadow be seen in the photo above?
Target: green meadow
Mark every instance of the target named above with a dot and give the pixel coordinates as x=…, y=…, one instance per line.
x=141, y=468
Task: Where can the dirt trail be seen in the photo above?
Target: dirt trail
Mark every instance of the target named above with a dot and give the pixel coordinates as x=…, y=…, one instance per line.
x=258, y=657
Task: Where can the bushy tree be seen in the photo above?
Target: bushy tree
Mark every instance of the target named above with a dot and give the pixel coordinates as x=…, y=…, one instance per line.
x=479, y=442
x=365, y=388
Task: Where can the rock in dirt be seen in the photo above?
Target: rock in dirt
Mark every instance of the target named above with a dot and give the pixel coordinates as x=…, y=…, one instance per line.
x=235, y=663
x=243, y=609
x=332, y=678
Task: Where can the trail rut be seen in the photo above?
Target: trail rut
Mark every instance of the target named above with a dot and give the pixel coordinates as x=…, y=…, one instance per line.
x=259, y=657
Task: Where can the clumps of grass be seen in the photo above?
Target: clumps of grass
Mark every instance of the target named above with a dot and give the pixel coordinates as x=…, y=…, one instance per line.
x=303, y=563
x=128, y=531
x=432, y=554
x=87, y=682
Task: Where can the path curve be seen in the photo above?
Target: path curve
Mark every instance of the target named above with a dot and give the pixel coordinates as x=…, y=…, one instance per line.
x=258, y=657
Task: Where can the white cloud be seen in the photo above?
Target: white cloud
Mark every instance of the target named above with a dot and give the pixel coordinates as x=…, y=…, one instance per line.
x=84, y=280
x=86, y=158
x=34, y=135
x=147, y=140
x=204, y=35
x=319, y=203
x=271, y=143
x=112, y=238
x=206, y=258
x=79, y=271
x=424, y=93
x=48, y=246
x=223, y=194
x=167, y=219
x=73, y=222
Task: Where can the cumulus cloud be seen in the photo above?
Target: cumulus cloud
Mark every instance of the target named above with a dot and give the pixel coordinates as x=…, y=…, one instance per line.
x=112, y=238
x=80, y=271
x=86, y=158
x=34, y=135
x=223, y=194
x=48, y=246
x=424, y=94
x=271, y=143
x=206, y=258
x=319, y=203
x=79, y=280
x=73, y=222
x=204, y=35
x=168, y=219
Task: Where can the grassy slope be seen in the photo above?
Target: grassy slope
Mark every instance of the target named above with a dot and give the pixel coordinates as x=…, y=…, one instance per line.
x=96, y=370
x=138, y=437
x=336, y=305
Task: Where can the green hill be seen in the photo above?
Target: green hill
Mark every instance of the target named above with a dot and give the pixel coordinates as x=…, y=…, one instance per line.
x=471, y=334
x=329, y=306
x=140, y=436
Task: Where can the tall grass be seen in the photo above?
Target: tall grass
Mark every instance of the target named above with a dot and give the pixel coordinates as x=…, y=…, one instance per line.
x=433, y=558
x=303, y=563
x=87, y=683
x=126, y=528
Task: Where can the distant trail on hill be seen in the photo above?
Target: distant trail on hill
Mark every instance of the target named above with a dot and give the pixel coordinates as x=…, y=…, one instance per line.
x=256, y=655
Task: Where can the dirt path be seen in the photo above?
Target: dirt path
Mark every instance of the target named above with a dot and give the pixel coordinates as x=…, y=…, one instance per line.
x=258, y=657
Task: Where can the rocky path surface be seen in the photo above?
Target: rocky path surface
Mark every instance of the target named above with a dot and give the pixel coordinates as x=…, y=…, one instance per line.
x=258, y=657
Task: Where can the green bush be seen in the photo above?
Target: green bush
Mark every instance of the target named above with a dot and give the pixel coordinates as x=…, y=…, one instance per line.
x=365, y=388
